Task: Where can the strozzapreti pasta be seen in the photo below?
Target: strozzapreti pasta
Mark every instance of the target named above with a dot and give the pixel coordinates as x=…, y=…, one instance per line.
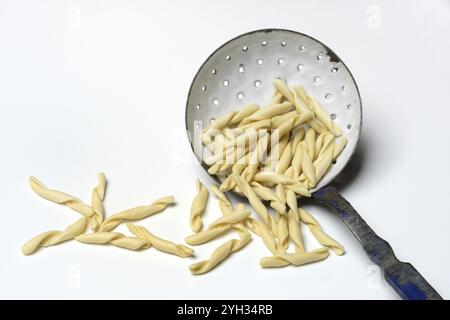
x=270, y=155
x=304, y=142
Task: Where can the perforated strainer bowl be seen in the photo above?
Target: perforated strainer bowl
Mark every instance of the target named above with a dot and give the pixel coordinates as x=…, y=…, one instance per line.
x=241, y=72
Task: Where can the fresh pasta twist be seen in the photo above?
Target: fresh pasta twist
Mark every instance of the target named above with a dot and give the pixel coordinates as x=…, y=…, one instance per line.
x=218, y=227
x=318, y=232
x=60, y=198
x=114, y=238
x=51, y=238
x=283, y=233
x=221, y=253
x=136, y=213
x=268, y=195
x=198, y=207
x=231, y=246
x=293, y=218
x=250, y=194
x=296, y=259
x=98, y=195
x=160, y=244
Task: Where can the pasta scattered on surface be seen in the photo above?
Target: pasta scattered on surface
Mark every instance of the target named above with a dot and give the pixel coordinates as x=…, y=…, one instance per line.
x=136, y=213
x=102, y=229
x=51, y=238
x=295, y=146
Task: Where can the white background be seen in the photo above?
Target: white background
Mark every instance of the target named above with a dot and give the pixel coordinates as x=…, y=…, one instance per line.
x=89, y=86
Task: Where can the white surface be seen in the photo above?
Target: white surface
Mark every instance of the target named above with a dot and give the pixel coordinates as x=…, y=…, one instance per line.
x=87, y=86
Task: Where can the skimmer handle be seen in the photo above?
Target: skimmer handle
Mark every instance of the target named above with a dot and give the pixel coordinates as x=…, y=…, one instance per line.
x=401, y=276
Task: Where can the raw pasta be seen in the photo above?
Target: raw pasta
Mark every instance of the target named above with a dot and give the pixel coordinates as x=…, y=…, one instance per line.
x=51, y=238
x=136, y=213
x=60, y=198
x=218, y=227
x=198, y=207
x=297, y=259
x=231, y=246
x=98, y=195
x=114, y=238
x=220, y=254
x=318, y=232
x=158, y=243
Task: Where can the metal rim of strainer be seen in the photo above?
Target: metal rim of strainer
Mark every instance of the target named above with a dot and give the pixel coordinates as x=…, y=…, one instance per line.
x=325, y=180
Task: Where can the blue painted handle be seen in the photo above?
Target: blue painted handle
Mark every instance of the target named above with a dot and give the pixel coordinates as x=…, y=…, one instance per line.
x=402, y=276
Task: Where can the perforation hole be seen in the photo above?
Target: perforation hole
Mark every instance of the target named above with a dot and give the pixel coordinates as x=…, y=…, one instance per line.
x=216, y=102
x=283, y=43
x=281, y=61
x=198, y=107
x=241, y=68
x=333, y=116
x=317, y=80
x=212, y=120
x=264, y=43
x=245, y=48
x=349, y=126
x=302, y=48
x=213, y=71
x=328, y=96
x=240, y=95
x=300, y=67
x=349, y=107
x=334, y=70
x=259, y=61
x=226, y=83
x=228, y=58
x=257, y=83
x=203, y=88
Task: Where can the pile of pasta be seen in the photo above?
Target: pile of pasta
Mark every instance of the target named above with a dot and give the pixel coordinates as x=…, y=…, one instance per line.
x=101, y=229
x=271, y=156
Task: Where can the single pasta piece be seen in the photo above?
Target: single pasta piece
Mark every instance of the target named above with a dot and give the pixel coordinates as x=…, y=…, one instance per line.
x=52, y=238
x=98, y=195
x=294, y=222
x=296, y=259
x=60, y=198
x=310, y=139
x=318, y=232
x=221, y=253
x=218, y=227
x=297, y=160
x=323, y=163
x=308, y=168
x=285, y=160
x=250, y=194
x=282, y=233
x=324, y=117
x=198, y=207
x=160, y=244
x=339, y=146
x=268, y=112
x=115, y=238
x=261, y=229
x=136, y=213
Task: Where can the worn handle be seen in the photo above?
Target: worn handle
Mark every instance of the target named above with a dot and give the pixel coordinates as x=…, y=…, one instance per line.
x=402, y=276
